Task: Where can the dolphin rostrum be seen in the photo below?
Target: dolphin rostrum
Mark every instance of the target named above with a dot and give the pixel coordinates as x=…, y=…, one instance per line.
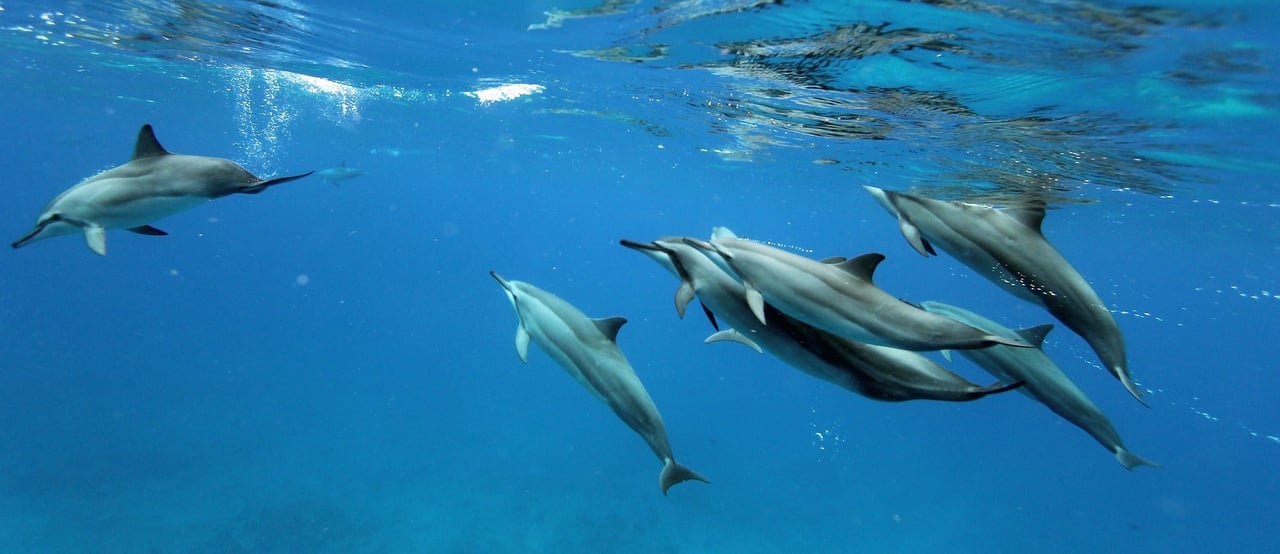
x=588, y=349
x=877, y=372
x=839, y=298
x=1008, y=248
x=1042, y=378
x=154, y=184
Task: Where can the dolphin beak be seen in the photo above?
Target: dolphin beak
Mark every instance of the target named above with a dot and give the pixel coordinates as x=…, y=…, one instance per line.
x=704, y=246
x=27, y=238
x=642, y=246
x=36, y=232
x=506, y=285
x=259, y=186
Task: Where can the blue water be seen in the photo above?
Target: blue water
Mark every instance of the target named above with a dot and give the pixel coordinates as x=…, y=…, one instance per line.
x=328, y=368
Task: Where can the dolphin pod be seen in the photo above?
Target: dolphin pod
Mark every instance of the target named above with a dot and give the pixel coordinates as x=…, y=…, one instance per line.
x=876, y=372
x=839, y=298
x=1008, y=248
x=826, y=318
x=1044, y=381
x=154, y=184
x=588, y=349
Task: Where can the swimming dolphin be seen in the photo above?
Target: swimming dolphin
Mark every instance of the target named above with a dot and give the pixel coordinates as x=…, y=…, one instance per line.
x=588, y=349
x=876, y=372
x=1008, y=248
x=154, y=184
x=1044, y=381
x=839, y=298
x=335, y=175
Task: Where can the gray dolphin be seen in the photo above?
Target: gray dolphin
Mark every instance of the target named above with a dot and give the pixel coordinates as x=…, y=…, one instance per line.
x=1044, y=381
x=876, y=372
x=335, y=175
x=154, y=184
x=1008, y=248
x=839, y=298
x=588, y=349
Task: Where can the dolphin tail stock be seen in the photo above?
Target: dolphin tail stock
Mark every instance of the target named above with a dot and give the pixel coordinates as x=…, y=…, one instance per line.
x=997, y=388
x=259, y=186
x=1130, y=460
x=674, y=473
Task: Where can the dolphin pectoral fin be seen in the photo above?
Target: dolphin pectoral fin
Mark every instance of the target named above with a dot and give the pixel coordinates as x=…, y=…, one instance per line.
x=755, y=301
x=732, y=335
x=1130, y=460
x=673, y=474
x=259, y=186
x=915, y=239
x=148, y=230
x=96, y=238
x=684, y=295
x=522, y=343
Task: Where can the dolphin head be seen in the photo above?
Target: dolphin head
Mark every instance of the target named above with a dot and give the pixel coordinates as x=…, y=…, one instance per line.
x=508, y=287
x=50, y=224
x=885, y=198
x=656, y=252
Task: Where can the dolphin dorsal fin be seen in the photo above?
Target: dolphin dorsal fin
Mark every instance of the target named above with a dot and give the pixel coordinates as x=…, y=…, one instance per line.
x=863, y=266
x=1035, y=335
x=1030, y=217
x=148, y=146
x=722, y=233
x=609, y=326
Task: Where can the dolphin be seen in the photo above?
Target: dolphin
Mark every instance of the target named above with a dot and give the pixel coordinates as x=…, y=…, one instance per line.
x=335, y=175
x=588, y=349
x=839, y=298
x=1008, y=248
x=876, y=372
x=154, y=184
x=1044, y=381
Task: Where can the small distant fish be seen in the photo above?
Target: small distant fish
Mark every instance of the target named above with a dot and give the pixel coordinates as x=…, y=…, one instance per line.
x=335, y=175
x=826, y=161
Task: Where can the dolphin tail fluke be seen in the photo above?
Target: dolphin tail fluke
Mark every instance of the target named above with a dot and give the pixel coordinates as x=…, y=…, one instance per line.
x=673, y=474
x=1131, y=386
x=1130, y=460
x=255, y=188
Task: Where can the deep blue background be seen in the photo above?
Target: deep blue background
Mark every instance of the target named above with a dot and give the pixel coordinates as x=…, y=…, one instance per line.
x=328, y=368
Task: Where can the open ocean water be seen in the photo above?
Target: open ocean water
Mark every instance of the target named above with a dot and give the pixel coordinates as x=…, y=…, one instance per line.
x=327, y=368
